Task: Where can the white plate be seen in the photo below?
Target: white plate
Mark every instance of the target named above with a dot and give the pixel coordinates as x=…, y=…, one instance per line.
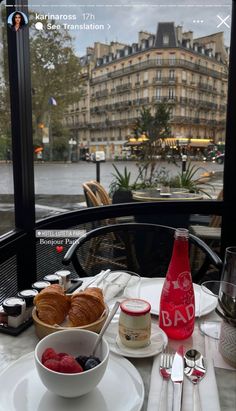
x=158, y=341
x=121, y=389
x=150, y=290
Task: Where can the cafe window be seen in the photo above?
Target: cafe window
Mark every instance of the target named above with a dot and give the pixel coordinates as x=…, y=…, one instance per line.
x=7, y=208
x=57, y=133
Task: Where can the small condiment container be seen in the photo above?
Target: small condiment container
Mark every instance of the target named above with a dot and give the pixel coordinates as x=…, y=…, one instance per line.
x=28, y=296
x=65, y=276
x=15, y=308
x=135, y=323
x=53, y=278
x=3, y=316
x=40, y=285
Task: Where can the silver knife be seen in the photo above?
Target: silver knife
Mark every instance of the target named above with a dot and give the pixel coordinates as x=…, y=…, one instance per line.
x=177, y=376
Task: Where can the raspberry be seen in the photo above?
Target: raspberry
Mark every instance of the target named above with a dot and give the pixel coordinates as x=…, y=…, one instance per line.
x=52, y=364
x=60, y=355
x=48, y=354
x=69, y=365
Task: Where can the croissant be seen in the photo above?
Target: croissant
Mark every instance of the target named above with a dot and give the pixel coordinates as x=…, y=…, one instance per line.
x=86, y=307
x=52, y=304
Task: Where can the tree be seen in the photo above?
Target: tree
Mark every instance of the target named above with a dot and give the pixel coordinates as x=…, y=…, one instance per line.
x=55, y=73
x=156, y=127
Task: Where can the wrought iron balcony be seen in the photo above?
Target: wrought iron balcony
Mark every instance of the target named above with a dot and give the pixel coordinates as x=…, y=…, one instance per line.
x=178, y=63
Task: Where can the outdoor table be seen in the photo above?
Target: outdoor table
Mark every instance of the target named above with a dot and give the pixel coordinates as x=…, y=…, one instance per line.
x=13, y=348
x=154, y=195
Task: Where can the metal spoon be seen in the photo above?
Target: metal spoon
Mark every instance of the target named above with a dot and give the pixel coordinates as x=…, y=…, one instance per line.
x=107, y=322
x=195, y=370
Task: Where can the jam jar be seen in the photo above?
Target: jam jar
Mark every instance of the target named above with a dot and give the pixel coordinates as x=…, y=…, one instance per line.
x=135, y=323
x=65, y=277
x=15, y=308
x=53, y=279
x=40, y=285
x=28, y=296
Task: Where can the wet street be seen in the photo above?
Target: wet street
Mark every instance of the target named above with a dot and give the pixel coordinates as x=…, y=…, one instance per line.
x=58, y=186
x=62, y=178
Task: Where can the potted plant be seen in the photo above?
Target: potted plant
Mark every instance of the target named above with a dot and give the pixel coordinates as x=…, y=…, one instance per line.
x=189, y=181
x=121, y=187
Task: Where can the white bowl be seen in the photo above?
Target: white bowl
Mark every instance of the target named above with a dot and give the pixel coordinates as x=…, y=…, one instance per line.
x=73, y=342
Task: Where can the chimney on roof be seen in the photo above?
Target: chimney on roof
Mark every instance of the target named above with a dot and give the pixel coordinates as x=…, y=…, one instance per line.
x=179, y=34
x=188, y=36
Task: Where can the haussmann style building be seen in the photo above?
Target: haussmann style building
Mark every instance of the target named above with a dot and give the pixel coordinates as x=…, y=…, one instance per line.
x=190, y=74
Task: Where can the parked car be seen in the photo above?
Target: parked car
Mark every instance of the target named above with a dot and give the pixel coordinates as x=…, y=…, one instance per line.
x=220, y=158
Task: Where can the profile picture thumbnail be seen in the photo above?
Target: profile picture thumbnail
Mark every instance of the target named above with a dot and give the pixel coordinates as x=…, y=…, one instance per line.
x=17, y=20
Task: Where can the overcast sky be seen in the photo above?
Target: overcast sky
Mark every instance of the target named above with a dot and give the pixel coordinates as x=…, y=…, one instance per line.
x=123, y=19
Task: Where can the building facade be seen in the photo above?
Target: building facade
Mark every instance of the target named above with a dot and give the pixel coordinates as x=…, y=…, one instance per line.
x=189, y=74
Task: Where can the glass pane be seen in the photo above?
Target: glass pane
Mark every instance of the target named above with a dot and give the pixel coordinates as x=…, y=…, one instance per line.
x=7, y=222
x=111, y=87
x=143, y=252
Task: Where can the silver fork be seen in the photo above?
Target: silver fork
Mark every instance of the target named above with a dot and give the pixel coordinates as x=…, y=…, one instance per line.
x=165, y=371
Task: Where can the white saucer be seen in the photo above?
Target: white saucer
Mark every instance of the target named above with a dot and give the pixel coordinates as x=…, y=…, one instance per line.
x=158, y=341
x=150, y=290
x=121, y=389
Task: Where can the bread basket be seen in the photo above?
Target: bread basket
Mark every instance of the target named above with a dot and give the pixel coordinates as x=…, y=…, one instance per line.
x=42, y=329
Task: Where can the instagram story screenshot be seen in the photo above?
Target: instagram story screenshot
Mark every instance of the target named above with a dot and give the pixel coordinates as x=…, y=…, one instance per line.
x=117, y=205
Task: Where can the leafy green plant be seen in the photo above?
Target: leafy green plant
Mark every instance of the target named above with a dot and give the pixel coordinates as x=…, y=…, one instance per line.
x=189, y=180
x=122, y=181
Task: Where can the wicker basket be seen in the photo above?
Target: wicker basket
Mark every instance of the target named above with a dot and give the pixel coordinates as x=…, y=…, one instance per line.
x=43, y=329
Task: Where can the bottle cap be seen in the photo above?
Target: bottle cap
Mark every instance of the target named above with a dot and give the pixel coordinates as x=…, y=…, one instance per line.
x=14, y=306
x=182, y=233
x=135, y=307
x=28, y=296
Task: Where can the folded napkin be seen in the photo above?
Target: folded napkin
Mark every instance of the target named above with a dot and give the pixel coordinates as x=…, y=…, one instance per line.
x=207, y=389
x=114, y=284
x=93, y=281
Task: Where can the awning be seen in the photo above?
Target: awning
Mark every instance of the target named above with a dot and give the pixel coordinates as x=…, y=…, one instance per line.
x=171, y=142
x=133, y=143
x=200, y=142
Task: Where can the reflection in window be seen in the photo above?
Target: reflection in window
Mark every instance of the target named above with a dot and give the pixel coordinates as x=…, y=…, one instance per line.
x=6, y=182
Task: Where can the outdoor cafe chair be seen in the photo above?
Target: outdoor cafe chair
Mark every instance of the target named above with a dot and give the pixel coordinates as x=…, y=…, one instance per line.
x=95, y=194
x=140, y=247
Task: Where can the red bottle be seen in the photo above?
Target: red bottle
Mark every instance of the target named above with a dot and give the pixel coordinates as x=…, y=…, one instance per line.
x=177, y=306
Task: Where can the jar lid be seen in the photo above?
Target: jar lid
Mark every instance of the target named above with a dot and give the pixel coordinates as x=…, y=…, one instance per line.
x=135, y=307
x=63, y=273
x=13, y=305
x=52, y=278
x=28, y=295
x=40, y=285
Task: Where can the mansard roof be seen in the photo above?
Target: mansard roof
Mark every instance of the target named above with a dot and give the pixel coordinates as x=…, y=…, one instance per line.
x=166, y=29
